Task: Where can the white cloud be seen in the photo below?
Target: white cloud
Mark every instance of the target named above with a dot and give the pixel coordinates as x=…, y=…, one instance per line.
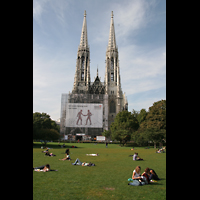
x=38, y=9
x=140, y=70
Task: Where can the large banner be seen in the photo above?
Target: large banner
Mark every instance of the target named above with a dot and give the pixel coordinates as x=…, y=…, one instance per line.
x=84, y=115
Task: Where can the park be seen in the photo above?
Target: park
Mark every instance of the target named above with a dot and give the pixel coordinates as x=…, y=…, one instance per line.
x=108, y=179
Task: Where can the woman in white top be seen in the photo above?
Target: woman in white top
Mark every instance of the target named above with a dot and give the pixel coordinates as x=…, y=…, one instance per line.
x=136, y=173
x=136, y=177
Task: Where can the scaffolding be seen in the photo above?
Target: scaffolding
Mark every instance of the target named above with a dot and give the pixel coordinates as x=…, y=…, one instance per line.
x=88, y=132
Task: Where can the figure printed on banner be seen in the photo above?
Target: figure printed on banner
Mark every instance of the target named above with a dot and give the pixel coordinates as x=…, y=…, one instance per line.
x=80, y=118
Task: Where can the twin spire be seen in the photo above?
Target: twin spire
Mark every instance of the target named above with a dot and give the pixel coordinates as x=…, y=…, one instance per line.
x=84, y=37
x=82, y=74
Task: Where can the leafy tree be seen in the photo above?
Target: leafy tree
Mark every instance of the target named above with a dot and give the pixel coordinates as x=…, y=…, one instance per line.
x=41, y=120
x=106, y=133
x=153, y=128
x=123, y=126
x=44, y=127
x=142, y=116
x=139, y=138
x=121, y=135
x=48, y=134
x=135, y=113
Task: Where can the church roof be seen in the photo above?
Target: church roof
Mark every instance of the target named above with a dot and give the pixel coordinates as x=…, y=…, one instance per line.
x=97, y=87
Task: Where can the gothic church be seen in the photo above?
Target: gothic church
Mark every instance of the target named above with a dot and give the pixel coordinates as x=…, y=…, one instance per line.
x=109, y=93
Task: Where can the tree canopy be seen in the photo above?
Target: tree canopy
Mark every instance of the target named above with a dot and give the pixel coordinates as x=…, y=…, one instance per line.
x=125, y=123
x=44, y=128
x=141, y=126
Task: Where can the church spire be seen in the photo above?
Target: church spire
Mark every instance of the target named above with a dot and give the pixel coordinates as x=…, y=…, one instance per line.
x=82, y=74
x=112, y=40
x=84, y=38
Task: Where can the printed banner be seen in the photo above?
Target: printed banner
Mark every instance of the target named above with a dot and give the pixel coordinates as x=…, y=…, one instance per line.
x=84, y=115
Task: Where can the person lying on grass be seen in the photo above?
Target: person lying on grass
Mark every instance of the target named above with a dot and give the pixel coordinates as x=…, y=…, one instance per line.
x=45, y=150
x=160, y=151
x=66, y=158
x=78, y=162
x=44, y=168
x=49, y=154
x=93, y=154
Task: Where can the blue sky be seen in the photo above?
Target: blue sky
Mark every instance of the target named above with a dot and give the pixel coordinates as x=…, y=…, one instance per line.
x=140, y=28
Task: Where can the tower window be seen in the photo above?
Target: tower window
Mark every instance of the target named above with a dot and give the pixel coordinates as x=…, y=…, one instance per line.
x=82, y=76
x=112, y=76
x=82, y=64
x=112, y=63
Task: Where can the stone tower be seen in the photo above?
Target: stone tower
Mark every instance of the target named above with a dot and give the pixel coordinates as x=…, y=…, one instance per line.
x=82, y=74
x=116, y=99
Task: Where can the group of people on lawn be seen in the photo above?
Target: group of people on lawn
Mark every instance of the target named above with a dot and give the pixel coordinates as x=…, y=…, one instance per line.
x=137, y=179
x=149, y=175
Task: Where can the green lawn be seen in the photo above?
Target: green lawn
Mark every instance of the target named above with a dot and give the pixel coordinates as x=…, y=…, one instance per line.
x=106, y=180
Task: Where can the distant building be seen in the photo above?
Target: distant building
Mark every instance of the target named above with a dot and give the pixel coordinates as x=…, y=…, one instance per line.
x=88, y=94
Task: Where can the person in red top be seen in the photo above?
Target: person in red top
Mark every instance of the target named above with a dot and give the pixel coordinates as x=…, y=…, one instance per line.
x=146, y=175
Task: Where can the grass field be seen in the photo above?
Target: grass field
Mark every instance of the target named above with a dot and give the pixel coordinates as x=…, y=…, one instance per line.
x=106, y=180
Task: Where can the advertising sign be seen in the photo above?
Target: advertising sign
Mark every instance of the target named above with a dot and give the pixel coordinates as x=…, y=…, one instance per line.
x=101, y=138
x=84, y=115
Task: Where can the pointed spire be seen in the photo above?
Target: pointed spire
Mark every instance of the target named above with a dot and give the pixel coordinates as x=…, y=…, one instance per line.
x=97, y=70
x=112, y=40
x=84, y=38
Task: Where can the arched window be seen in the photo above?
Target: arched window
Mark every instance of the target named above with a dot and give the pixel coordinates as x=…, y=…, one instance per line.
x=82, y=62
x=82, y=76
x=112, y=63
x=112, y=107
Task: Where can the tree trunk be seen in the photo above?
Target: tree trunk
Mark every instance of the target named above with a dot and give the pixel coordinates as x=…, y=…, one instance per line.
x=155, y=145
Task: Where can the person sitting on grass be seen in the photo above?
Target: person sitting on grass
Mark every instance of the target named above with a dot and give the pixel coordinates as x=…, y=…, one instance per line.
x=78, y=162
x=66, y=158
x=146, y=175
x=136, y=157
x=67, y=151
x=136, y=177
x=153, y=175
x=44, y=168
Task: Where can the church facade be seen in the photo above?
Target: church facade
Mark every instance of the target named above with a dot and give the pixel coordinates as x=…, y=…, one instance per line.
x=108, y=93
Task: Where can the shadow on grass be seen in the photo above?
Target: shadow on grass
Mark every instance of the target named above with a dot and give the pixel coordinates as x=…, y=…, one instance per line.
x=55, y=146
x=155, y=183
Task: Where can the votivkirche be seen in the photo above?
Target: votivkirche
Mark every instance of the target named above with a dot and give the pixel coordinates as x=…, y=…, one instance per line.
x=92, y=106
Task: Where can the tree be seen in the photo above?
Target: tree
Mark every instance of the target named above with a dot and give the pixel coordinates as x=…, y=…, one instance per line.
x=123, y=126
x=153, y=128
x=139, y=138
x=135, y=113
x=44, y=127
x=41, y=120
x=48, y=134
x=121, y=135
x=106, y=133
x=141, y=116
